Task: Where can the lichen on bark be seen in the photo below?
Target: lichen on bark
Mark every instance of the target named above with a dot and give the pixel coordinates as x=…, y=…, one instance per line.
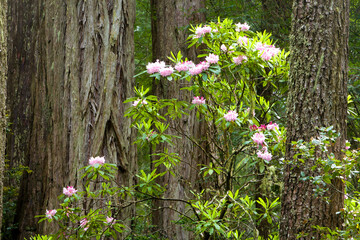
x=317, y=98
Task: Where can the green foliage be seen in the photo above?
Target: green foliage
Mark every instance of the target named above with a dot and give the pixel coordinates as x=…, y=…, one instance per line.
x=142, y=39
x=226, y=207
x=87, y=214
x=12, y=179
x=41, y=237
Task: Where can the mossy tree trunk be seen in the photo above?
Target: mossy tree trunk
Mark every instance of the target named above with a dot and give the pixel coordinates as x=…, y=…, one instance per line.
x=3, y=76
x=74, y=60
x=170, y=22
x=317, y=98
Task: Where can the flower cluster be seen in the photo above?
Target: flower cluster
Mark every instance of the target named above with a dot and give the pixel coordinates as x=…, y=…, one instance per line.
x=96, y=160
x=231, y=116
x=184, y=66
x=159, y=67
x=83, y=224
x=201, y=31
x=155, y=67
x=253, y=127
x=258, y=138
x=272, y=126
x=50, y=213
x=263, y=127
x=267, y=51
x=69, y=191
x=226, y=49
x=243, y=41
x=139, y=101
x=212, y=58
x=199, y=68
x=240, y=59
x=198, y=100
x=110, y=220
x=242, y=27
x=264, y=154
x=166, y=71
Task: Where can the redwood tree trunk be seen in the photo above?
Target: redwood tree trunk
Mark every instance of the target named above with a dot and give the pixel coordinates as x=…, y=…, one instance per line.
x=74, y=60
x=3, y=75
x=317, y=98
x=169, y=22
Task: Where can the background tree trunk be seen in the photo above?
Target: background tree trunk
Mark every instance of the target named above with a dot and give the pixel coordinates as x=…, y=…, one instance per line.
x=317, y=98
x=74, y=60
x=276, y=19
x=170, y=21
x=3, y=75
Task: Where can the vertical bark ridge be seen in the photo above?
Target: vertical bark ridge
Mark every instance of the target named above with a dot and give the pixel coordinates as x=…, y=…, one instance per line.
x=318, y=98
x=3, y=77
x=82, y=73
x=170, y=20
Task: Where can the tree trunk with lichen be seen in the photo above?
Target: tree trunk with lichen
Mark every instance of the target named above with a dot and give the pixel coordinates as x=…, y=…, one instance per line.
x=170, y=20
x=74, y=60
x=317, y=98
x=3, y=75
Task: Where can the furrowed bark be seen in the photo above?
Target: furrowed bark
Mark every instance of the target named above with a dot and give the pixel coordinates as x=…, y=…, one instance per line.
x=317, y=98
x=77, y=68
x=170, y=20
x=3, y=76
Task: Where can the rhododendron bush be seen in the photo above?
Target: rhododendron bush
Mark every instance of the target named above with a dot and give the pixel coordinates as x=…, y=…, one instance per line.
x=245, y=142
x=244, y=138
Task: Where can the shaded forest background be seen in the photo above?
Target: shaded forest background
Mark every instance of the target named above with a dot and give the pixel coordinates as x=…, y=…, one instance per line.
x=270, y=15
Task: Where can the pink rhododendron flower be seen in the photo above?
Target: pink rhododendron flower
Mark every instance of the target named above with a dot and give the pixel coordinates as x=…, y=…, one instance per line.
x=212, y=58
x=198, y=100
x=243, y=40
x=166, y=71
x=110, y=220
x=50, y=213
x=139, y=101
x=155, y=67
x=96, y=160
x=258, y=138
x=83, y=224
x=206, y=29
x=253, y=127
x=204, y=65
x=69, y=191
x=347, y=145
x=196, y=70
x=184, y=66
x=225, y=49
x=272, y=126
x=240, y=59
x=68, y=211
x=264, y=155
x=199, y=68
x=262, y=127
x=267, y=51
x=200, y=31
x=242, y=27
x=231, y=116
